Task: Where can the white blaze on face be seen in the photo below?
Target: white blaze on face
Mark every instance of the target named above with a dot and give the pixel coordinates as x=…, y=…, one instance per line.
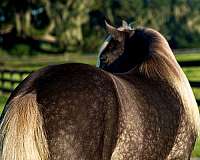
x=104, y=45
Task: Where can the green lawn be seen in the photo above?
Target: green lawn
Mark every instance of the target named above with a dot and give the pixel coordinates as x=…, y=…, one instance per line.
x=3, y=99
x=193, y=73
x=196, y=151
x=188, y=57
x=35, y=62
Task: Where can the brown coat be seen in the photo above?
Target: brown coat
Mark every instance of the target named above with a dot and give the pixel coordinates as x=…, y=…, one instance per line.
x=79, y=112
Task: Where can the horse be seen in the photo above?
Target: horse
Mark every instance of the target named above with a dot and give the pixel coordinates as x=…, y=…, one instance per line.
x=159, y=117
x=76, y=111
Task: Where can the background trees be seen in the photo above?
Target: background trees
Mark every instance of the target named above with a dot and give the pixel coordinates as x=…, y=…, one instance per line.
x=56, y=26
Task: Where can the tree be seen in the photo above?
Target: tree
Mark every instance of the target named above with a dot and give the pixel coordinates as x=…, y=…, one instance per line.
x=74, y=25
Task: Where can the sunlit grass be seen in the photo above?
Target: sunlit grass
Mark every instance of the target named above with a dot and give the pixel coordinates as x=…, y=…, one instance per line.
x=192, y=73
x=188, y=57
x=36, y=62
x=3, y=99
x=196, y=151
x=196, y=92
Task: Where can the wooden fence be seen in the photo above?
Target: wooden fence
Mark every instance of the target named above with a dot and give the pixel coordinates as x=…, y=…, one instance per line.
x=8, y=79
x=195, y=63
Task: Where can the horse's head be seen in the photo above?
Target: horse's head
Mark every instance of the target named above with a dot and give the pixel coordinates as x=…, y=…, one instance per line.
x=123, y=49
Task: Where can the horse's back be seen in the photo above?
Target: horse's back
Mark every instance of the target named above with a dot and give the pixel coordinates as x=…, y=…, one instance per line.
x=79, y=108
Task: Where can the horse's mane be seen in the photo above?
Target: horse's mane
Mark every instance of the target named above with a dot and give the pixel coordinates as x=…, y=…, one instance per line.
x=162, y=65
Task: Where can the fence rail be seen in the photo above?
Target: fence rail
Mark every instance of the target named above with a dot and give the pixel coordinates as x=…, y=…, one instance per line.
x=195, y=63
x=8, y=79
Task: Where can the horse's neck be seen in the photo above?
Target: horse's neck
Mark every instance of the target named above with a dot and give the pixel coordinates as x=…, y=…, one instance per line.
x=170, y=76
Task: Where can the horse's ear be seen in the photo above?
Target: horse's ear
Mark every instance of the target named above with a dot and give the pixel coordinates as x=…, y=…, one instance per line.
x=115, y=33
x=125, y=24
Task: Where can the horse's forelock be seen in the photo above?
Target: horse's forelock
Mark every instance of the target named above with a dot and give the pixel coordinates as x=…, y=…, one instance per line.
x=102, y=48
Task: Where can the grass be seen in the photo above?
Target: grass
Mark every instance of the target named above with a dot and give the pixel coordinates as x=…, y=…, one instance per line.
x=3, y=99
x=193, y=73
x=188, y=57
x=36, y=62
x=196, y=151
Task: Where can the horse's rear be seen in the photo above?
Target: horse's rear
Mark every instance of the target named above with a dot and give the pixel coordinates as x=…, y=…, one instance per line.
x=61, y=112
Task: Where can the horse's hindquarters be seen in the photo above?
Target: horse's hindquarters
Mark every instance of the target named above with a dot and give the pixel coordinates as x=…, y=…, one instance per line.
x=74, y=110
x=79, y=108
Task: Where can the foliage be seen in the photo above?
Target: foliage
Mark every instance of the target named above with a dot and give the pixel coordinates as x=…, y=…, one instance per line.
x=178, y=20
x=77, y=24
x=20, y=50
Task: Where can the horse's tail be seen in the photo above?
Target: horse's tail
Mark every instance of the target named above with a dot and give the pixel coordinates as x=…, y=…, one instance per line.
x=21, y=131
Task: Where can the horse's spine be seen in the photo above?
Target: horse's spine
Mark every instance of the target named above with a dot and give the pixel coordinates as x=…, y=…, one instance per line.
x=22, y=136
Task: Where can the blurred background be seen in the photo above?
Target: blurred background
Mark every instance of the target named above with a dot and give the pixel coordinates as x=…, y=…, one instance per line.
x=36, y=33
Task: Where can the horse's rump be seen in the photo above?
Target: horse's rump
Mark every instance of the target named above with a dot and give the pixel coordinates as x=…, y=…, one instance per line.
x=87, y=127
x=78, y=110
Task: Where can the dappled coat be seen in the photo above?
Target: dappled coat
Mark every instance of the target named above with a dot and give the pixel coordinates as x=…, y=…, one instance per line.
x=158, y=117
x=80, y=112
